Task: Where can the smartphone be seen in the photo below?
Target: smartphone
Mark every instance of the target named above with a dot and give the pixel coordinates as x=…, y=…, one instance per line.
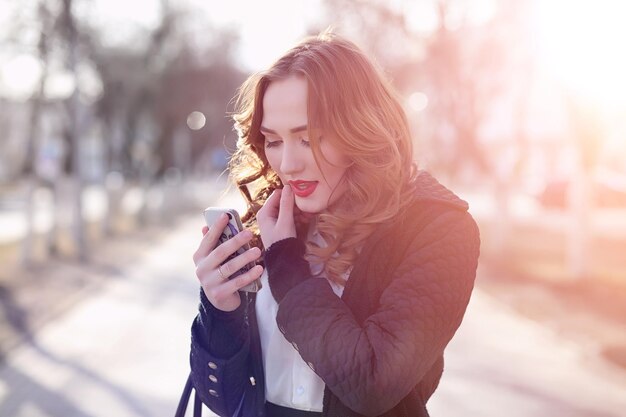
x=234, y=226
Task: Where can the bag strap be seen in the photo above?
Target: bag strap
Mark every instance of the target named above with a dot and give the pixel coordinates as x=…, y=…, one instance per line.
x=197, y=405
x=184, y=401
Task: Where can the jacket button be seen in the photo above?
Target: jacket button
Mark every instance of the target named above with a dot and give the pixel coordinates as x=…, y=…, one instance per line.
x=213, y=378
x=213, y=393
x=252, y=381
x=212, y=365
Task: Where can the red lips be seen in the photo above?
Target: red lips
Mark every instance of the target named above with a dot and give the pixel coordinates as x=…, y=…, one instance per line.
x=303, y=188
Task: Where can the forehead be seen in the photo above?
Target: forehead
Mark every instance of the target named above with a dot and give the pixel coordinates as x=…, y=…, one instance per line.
x=285, y=103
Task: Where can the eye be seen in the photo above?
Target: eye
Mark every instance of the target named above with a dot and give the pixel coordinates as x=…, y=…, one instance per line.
x=272, y=143
x=305, y=142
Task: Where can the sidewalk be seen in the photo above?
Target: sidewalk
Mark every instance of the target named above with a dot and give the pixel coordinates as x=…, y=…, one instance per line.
x=120, y=352
x=123, y=351
x=503, y=364
x=114, y=338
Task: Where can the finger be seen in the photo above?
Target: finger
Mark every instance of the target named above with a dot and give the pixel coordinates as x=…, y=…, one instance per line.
x=286, y=205
x=234, y=265
x=207, y=275
x=270, y=208
x=226, y=249
x=233, y=285
x=209, y=240
x=222, y=273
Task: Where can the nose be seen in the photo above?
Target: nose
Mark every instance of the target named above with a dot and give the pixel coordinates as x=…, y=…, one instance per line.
x=292, y=161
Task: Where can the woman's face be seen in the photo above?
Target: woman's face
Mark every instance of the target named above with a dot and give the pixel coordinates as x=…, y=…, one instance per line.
x=288, y=150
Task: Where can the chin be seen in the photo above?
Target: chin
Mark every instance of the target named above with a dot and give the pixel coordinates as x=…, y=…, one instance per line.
x=308, y=206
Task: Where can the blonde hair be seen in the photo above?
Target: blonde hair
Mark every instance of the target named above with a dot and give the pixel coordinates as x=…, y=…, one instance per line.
x=348, y=97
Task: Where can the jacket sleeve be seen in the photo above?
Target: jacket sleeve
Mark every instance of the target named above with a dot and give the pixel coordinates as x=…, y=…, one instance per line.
x=219, y=356
x=371, y=366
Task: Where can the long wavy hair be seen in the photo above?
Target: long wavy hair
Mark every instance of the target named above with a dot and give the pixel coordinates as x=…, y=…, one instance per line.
x=350, y=99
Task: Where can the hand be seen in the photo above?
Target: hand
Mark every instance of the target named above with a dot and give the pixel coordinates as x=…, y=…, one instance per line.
x=221, y=292
x=275, y=219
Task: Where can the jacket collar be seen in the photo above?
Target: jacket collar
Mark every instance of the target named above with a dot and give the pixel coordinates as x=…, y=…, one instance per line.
x=427, y=188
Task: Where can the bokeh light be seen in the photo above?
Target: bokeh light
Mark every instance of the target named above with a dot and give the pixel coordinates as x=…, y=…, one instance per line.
x=196, y=120
x=19, y=76
x=418, y=101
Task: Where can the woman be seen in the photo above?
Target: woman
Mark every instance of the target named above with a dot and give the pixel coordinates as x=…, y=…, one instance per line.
x=368, y=263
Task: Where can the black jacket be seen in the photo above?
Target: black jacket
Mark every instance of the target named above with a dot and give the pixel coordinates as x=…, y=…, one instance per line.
x=378, y=348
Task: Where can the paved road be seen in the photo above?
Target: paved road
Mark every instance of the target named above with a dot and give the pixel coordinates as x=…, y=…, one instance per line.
x=123, y=352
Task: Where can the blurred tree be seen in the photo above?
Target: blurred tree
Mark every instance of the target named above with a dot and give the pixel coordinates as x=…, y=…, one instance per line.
x=477, y=77
x=73, y=128
x=58, y=44
x=463, y=78
x=148, y=89
x=131, y=79
x=149, y=92
x=463, y=68
x=163, y=84
x=46, y=22
x=587, y=133
x=203, y=81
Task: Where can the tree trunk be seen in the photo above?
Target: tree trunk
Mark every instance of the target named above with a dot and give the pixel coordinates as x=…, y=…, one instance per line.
x=578, y=234
x=28, y=169
x=26, y=253
x=78, y=230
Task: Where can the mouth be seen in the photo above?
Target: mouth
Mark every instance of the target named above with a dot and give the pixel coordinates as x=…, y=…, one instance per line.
x=303, y=188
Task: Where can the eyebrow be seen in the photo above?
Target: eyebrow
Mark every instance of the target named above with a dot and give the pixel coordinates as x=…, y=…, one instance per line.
x=297, y=129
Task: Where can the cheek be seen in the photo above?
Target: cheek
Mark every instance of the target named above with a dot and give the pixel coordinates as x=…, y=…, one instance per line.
x=273, y=158
x=338, y=174
x=333, y=174
x=334, y=156
x=336, y=165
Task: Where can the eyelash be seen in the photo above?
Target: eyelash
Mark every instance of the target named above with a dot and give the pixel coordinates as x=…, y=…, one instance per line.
x=272, y=144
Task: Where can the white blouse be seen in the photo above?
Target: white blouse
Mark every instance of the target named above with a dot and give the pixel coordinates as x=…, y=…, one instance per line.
x=289, y=382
